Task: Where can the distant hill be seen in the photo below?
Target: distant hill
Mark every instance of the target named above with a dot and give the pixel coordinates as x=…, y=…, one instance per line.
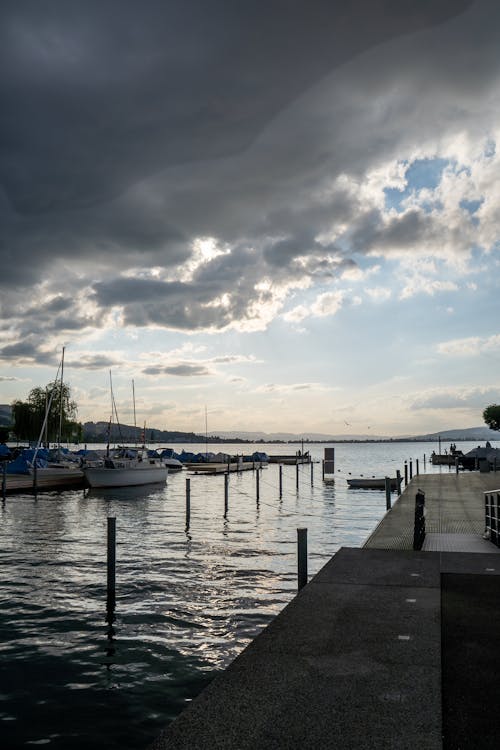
x=97, y=432
x=468, y=433
x=290, y=437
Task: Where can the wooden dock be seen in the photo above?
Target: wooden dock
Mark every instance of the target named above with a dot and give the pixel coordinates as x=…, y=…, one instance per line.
x=223, y=468
x=290, y=460
x=385, y=647
x=57, y=480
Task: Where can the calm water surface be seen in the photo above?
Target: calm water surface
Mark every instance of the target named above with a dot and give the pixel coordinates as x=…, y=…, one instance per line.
x=188, y=601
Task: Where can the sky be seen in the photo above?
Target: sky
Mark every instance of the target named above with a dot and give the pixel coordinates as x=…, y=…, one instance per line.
x=284, y=213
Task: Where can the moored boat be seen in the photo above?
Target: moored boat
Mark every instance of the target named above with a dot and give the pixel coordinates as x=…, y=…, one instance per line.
x=371, y=483
x=126, y=470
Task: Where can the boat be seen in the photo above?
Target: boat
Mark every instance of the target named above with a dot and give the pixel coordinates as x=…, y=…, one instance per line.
x=171, y=462
x=126, y=468
x=371, y=483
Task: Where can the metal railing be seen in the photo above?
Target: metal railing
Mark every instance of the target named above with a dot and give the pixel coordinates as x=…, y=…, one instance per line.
x=492, y=516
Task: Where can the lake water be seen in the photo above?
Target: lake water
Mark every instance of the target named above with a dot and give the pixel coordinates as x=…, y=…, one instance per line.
x=188, y=601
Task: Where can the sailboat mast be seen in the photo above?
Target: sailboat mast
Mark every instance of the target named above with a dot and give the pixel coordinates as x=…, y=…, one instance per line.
x=135, y=420
x=59, y=437
x=206, y=433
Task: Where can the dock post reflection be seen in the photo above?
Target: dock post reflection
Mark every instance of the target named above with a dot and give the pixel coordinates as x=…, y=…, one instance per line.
x=226, y=493
x=111, y=587
x=188, y=502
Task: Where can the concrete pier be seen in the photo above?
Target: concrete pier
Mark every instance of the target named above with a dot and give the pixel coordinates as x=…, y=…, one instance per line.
x=384, y=648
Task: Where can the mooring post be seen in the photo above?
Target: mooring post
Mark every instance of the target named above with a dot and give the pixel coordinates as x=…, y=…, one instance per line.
x=406, y=474
x=188, y=502
x=226, y=493
x=323, y=468
x=301, y=558
x=398, y=476
x=111, y=561
x=312, y=474
x=4, y=480
x=257, y=485
x=297, y=476
x=281, y=481
x=424, y=462
x=416, y=467
x=387, y=493
x=411, y=468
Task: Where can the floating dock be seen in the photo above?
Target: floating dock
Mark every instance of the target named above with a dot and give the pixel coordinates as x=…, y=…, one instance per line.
x=57, y=480
x=223, y=468
x=289, y=460
x=384, y=648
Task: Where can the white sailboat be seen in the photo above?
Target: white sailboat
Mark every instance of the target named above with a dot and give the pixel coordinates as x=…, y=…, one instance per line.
x=128, y=467
x=126, y=470
x=56, y=467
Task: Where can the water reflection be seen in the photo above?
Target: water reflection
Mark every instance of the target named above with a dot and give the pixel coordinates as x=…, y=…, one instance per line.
x=189, y=595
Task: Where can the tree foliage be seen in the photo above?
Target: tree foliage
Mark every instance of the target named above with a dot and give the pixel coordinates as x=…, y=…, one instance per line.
x=491, y=416
x=55, y=401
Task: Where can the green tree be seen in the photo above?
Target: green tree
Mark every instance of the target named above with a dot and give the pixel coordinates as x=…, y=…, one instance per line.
x=491, y=416
x=55, y=401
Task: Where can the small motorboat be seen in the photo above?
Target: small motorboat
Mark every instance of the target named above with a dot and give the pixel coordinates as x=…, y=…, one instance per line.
x=371, y=483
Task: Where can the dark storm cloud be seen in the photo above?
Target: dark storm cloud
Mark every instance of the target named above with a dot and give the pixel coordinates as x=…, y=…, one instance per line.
x=92, y=362
x=127, y=130
x=99, y=95
x=28, y=351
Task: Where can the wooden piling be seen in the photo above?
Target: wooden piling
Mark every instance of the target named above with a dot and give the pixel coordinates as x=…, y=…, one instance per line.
x=387, y=493
x=406, y=474
x=312, y=474
x=257, y=485
x=416, y=467
x=398, y=476
x=411, y=469
x=301, y=558
x=4, y=480
x=281, y=481
x=297, y=476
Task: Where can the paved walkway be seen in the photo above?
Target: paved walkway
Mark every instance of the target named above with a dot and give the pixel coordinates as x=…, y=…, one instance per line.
x=385, y=648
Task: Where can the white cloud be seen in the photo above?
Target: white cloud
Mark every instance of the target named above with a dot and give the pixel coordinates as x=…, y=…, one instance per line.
x=466, y=397
x=326, y=304
x=470, y=347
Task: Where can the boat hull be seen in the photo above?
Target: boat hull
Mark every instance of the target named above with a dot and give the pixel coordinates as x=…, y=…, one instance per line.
x=102, y=476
